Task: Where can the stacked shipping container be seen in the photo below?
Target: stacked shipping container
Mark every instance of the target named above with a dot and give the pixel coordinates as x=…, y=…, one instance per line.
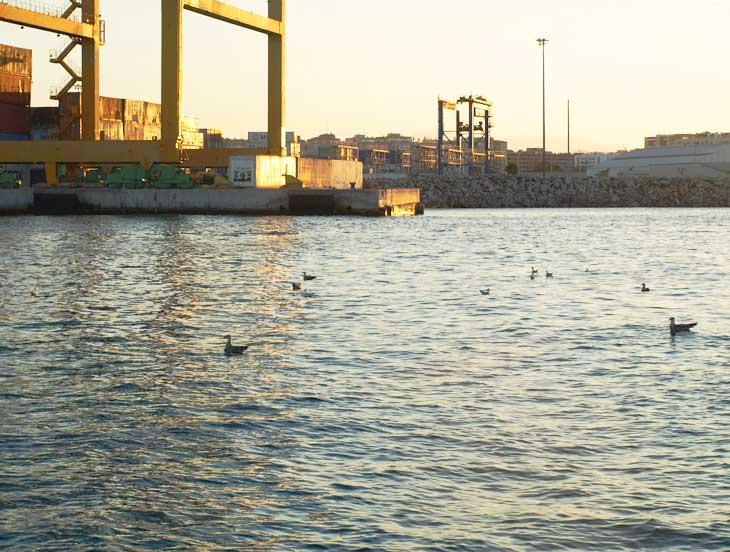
x=123, y=119
x=16, y=69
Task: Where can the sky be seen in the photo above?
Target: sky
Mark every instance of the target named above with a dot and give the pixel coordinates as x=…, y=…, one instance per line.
x=631, y=68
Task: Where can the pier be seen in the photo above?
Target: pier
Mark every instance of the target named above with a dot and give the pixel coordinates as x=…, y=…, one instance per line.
x=244, y=201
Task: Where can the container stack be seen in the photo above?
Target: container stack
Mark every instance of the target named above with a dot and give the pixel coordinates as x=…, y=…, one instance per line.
x=192, y=138
x=111, y=111
x=15, y=84
x=44, y=123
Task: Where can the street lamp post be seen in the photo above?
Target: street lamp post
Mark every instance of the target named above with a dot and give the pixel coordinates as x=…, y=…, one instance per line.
x=541, y=42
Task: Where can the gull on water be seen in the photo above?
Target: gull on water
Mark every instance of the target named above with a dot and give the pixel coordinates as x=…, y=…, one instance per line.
x=548, y=274
x=644, y=289
x=674, y=328
x=296, y=286
x=534, y=271
x=234, y=349
x=309, y=278
x=484, y=291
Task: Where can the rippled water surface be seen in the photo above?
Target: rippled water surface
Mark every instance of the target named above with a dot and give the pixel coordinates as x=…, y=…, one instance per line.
x=394, y=409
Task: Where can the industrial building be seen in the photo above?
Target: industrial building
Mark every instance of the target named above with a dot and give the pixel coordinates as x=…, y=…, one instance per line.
x=531, y=161
x=680, y=140
x=703, y=161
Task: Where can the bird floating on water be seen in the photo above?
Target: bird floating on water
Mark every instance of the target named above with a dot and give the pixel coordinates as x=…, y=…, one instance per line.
x=296, y=286
x=484, y=291
x=674, y=328
x=532, y=276
x=644, y=288
x=534, y=271
x=234, y=349
x=548, y=274
x=309, y=278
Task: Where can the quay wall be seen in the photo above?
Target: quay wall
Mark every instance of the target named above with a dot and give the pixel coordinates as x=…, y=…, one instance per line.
x=500, y=191
x=248, y=201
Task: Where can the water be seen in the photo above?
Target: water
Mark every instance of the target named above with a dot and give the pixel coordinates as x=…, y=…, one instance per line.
x=396, y=409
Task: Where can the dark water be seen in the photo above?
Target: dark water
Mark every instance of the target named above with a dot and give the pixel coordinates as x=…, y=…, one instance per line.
x=396, y=409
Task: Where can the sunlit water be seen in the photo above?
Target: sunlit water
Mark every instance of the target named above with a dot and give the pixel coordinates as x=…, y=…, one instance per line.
x=396, y=409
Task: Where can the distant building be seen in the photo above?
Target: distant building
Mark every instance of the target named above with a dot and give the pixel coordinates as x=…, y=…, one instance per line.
x=328, y=146
x=703, y=161
x=586, y=161
x=680, y=140
x=260, y=140
x=531, y=161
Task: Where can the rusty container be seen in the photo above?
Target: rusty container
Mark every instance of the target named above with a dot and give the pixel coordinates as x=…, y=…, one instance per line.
x=14, y=119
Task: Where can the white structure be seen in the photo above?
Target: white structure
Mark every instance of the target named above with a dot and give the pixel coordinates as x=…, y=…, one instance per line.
x=586, y=161
x=678, y=162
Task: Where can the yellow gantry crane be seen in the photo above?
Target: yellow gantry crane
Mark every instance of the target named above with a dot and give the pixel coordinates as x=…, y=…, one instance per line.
x=88, y=31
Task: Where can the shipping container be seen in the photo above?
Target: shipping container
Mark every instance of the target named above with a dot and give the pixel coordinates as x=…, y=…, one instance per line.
x=14, y=119
x=134, y=111
x=70, y=105
x=329, y=173
x=260, y=171
x=189, y=124
x=44, y=123
x=16, y=61
x=15, y=89
x=13, y=137
x=72, y=131
x=44, y=116
x=111, y=109
x=111, y=130
x=133, y=130
x=152, y=132
x=153, y=113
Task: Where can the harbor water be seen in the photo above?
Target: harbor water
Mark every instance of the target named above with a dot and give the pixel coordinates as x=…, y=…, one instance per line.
x=391, y=408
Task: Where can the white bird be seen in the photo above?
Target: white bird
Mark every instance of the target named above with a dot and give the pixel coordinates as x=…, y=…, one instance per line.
x=484, y=291
x=674, y=329
x=234, y=349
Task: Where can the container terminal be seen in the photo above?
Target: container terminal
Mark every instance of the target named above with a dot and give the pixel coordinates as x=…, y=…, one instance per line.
x=93, y=154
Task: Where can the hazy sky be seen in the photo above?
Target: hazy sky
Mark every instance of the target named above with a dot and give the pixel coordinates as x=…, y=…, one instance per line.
x=630, y=67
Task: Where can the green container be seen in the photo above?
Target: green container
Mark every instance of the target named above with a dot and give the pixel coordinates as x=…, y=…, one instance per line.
x=167, y=176
x=127, y=176
x=10, y=179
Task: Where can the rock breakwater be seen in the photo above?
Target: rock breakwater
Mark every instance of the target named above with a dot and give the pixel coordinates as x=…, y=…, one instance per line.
x=501, y=191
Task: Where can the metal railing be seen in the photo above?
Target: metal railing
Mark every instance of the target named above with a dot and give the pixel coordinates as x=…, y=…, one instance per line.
x=54, y=10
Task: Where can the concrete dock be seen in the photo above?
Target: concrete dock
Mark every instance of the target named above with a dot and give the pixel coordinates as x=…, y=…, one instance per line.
x=244, y=201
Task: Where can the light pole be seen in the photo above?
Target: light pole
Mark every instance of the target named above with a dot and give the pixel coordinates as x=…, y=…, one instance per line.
x=541, y=42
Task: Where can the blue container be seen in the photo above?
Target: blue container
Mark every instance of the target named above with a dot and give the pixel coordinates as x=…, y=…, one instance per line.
x=13, y=137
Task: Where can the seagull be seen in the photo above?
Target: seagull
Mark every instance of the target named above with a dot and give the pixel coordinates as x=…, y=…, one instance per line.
x=548, y=274
x=234, y=349
x=644, y=288
x=532, y=276
x=296, y=286
x=534, y=270
x=34, y=293
x=308, y=278
x=484, y=291
x=674, y=329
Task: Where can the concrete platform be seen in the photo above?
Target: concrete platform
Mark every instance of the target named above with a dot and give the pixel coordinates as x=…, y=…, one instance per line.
x=244, y=201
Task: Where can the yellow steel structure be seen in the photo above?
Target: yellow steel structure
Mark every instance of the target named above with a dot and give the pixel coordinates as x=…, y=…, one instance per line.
x=167, y=150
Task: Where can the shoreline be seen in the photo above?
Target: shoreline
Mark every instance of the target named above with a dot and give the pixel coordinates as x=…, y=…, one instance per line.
x=528, y=192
